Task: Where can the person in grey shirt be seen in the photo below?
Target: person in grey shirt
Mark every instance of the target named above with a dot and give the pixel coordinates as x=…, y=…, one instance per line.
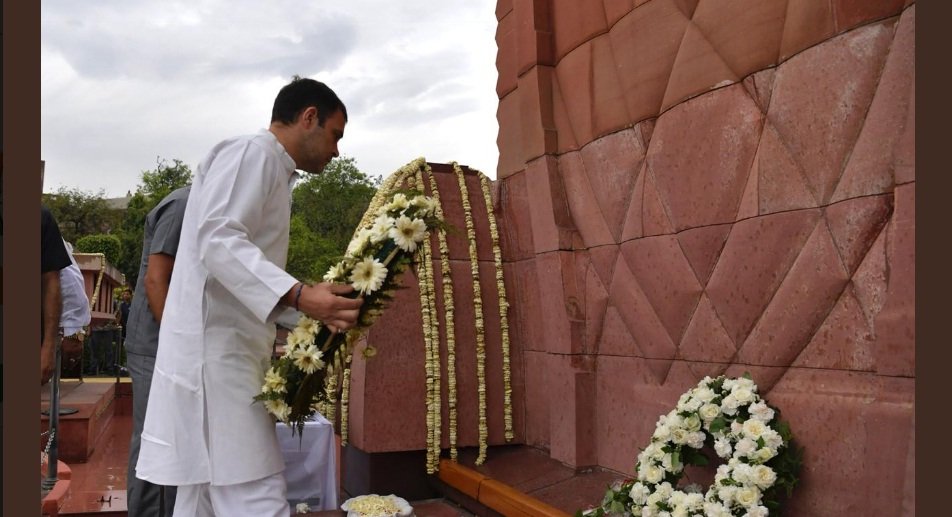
x=163, y=226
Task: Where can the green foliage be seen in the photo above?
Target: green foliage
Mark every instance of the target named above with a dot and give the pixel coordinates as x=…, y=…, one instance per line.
x=108, y=245
x=156, y=184
x=79, y=213
x=326, y=209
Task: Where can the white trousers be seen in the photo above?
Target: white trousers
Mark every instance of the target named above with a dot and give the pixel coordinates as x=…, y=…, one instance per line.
x=266, y=497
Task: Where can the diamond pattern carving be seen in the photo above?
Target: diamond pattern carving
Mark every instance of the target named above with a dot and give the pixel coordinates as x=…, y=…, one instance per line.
x=711, y=230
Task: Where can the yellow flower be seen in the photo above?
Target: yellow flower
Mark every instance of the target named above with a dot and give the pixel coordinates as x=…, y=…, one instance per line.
x=368, y=275
x=308, y=359
x=278, y=408
x=274, y=382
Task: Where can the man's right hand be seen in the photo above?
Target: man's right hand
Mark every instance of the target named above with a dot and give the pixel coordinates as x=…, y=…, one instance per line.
x=326, y=303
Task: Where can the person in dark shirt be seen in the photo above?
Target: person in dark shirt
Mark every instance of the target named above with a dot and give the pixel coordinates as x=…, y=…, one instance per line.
x=53, y=258
x=122, y=311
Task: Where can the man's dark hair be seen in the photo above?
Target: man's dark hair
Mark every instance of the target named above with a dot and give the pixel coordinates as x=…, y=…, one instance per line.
x=302, y=93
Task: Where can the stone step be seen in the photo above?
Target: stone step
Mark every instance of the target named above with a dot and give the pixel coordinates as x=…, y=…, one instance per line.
x=95, y=404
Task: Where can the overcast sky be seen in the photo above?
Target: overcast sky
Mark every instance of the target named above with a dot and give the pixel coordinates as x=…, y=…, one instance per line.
x=126, y=82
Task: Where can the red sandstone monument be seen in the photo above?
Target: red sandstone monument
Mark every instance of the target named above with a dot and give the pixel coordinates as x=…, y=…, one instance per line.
x=685, y=189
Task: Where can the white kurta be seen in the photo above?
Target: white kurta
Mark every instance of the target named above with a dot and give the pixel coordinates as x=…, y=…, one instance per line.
x=217, y=330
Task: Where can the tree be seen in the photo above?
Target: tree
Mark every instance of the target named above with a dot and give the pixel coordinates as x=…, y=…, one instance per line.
x=156, y=184
x=326, y=209
x=108, y=245
x=79, y=213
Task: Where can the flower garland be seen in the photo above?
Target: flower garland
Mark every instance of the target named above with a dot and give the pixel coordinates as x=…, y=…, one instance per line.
x=729, y=415
x=432, y=339
x=377, y=202
x=449, y=312
x=478, y=313
x=374, y=505
x=503, y=309
x=296, y=382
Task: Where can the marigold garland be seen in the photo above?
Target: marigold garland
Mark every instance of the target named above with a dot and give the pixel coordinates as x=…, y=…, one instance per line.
x=413, y=174
x=449, y=311
x=478, y=314
x=503, y=308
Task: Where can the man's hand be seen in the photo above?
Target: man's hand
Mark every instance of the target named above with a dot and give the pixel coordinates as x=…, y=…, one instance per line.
x=325, y=303
x=47, y=360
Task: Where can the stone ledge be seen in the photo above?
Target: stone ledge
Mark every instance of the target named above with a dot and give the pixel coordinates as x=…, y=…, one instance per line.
x=492, y=493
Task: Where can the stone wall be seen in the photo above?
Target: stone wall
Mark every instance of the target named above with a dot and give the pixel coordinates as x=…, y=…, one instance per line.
x=691, y=188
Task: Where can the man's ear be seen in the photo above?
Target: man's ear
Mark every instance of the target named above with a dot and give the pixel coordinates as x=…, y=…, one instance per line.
x=309, y=116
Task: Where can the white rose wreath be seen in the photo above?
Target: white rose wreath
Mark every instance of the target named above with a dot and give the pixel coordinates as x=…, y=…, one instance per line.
x=728, y=415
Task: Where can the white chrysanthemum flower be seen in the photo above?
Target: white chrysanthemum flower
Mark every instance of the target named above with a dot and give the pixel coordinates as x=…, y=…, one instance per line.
x=638, y=493
x=772, y=439
x=336, y=273
x=278, y=408
x=359, y=243
x=696, y=439
x=722, y=446
x=308, y=359
x=381, y=228
x=761, y=411
x=368, y=275
x=274, y=382
x=398, y=204
x=407, y=233
x=746, y=447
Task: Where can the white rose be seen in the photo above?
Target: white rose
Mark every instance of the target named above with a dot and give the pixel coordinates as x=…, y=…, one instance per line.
x=764, y=454
x=693, y=404
x=754, y=428
x=747, y=496
x=692, y=423
x=743, y=395
x=763, y=476
x=679, y=436
x=709, y=412
x=653, y=474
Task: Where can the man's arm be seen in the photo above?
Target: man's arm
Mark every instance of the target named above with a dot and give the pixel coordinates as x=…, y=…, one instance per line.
x=52, y=305
x=158, y=275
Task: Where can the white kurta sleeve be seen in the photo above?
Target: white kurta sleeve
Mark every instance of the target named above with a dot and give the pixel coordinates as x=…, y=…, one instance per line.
x=237, y=183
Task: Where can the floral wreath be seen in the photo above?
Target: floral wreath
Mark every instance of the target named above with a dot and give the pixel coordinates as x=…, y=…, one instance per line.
x=294, y=385
x=728, y=415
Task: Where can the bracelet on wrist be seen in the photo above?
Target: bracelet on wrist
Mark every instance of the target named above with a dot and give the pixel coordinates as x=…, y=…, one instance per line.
x=297, y=297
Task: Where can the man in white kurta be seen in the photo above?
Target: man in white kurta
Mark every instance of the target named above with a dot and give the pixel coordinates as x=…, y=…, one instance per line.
x=202, y=430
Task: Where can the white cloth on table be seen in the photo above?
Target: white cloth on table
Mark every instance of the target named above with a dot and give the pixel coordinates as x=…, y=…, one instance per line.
x=311, y=464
